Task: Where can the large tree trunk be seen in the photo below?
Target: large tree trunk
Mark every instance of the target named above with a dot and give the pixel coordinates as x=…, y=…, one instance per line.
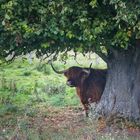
x=122, y=91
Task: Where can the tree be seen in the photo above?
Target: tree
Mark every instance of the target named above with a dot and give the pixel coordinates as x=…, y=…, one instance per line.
x=111, y=28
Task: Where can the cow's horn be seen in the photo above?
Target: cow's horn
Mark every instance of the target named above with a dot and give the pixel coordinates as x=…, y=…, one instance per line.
x=59, y=72
x=90, y=65
x=87, y=70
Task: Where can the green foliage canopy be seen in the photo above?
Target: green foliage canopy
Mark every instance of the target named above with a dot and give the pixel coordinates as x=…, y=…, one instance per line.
x=52, y=26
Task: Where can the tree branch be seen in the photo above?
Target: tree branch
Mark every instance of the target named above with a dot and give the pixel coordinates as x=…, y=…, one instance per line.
x=103, y=56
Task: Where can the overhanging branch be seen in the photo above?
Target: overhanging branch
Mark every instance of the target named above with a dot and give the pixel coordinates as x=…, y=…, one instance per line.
x=103, y=56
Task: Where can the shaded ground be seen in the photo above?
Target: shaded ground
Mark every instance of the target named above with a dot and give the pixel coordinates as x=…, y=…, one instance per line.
x=67, y=123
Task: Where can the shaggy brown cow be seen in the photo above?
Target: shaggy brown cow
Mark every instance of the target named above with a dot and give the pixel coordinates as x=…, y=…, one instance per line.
x=89, y=83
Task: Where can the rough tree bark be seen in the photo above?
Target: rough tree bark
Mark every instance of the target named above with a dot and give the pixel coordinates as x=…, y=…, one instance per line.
x=122, y=91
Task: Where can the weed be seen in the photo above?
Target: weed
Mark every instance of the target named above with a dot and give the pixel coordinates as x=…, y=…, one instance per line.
x=3, y=82
x=27, y=73
x=42, y=67
x=52, y=89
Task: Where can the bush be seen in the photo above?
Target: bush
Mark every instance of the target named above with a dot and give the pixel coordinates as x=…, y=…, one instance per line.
x=43, y=68
x=27, y=73
x=8, y=109
x=57, y=100
x=5, y=96
x=52, y=89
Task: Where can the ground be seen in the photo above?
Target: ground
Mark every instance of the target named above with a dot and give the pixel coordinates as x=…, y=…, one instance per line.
x=63, y=123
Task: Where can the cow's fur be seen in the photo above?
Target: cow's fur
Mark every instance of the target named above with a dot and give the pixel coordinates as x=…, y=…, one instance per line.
x=89, y=84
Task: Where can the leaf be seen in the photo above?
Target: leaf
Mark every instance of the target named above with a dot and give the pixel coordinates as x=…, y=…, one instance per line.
x=38, y=32
x=93, y=3
x=3, y=23
x=69, y=34
x=7, y=16
x=129, y=33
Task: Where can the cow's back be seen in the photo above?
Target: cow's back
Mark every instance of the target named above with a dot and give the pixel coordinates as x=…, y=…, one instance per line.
x=94, y=85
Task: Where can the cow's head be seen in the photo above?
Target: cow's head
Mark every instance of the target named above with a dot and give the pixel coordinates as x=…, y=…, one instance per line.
x=75, y=75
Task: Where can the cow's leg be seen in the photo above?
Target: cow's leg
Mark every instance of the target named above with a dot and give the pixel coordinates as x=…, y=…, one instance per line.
x=86, y=108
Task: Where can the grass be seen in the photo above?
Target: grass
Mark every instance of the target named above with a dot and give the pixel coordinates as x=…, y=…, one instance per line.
x=36, y=104
x=23, y=81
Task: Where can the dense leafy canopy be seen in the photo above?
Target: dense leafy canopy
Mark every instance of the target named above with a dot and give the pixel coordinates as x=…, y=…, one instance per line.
x=52, y=26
